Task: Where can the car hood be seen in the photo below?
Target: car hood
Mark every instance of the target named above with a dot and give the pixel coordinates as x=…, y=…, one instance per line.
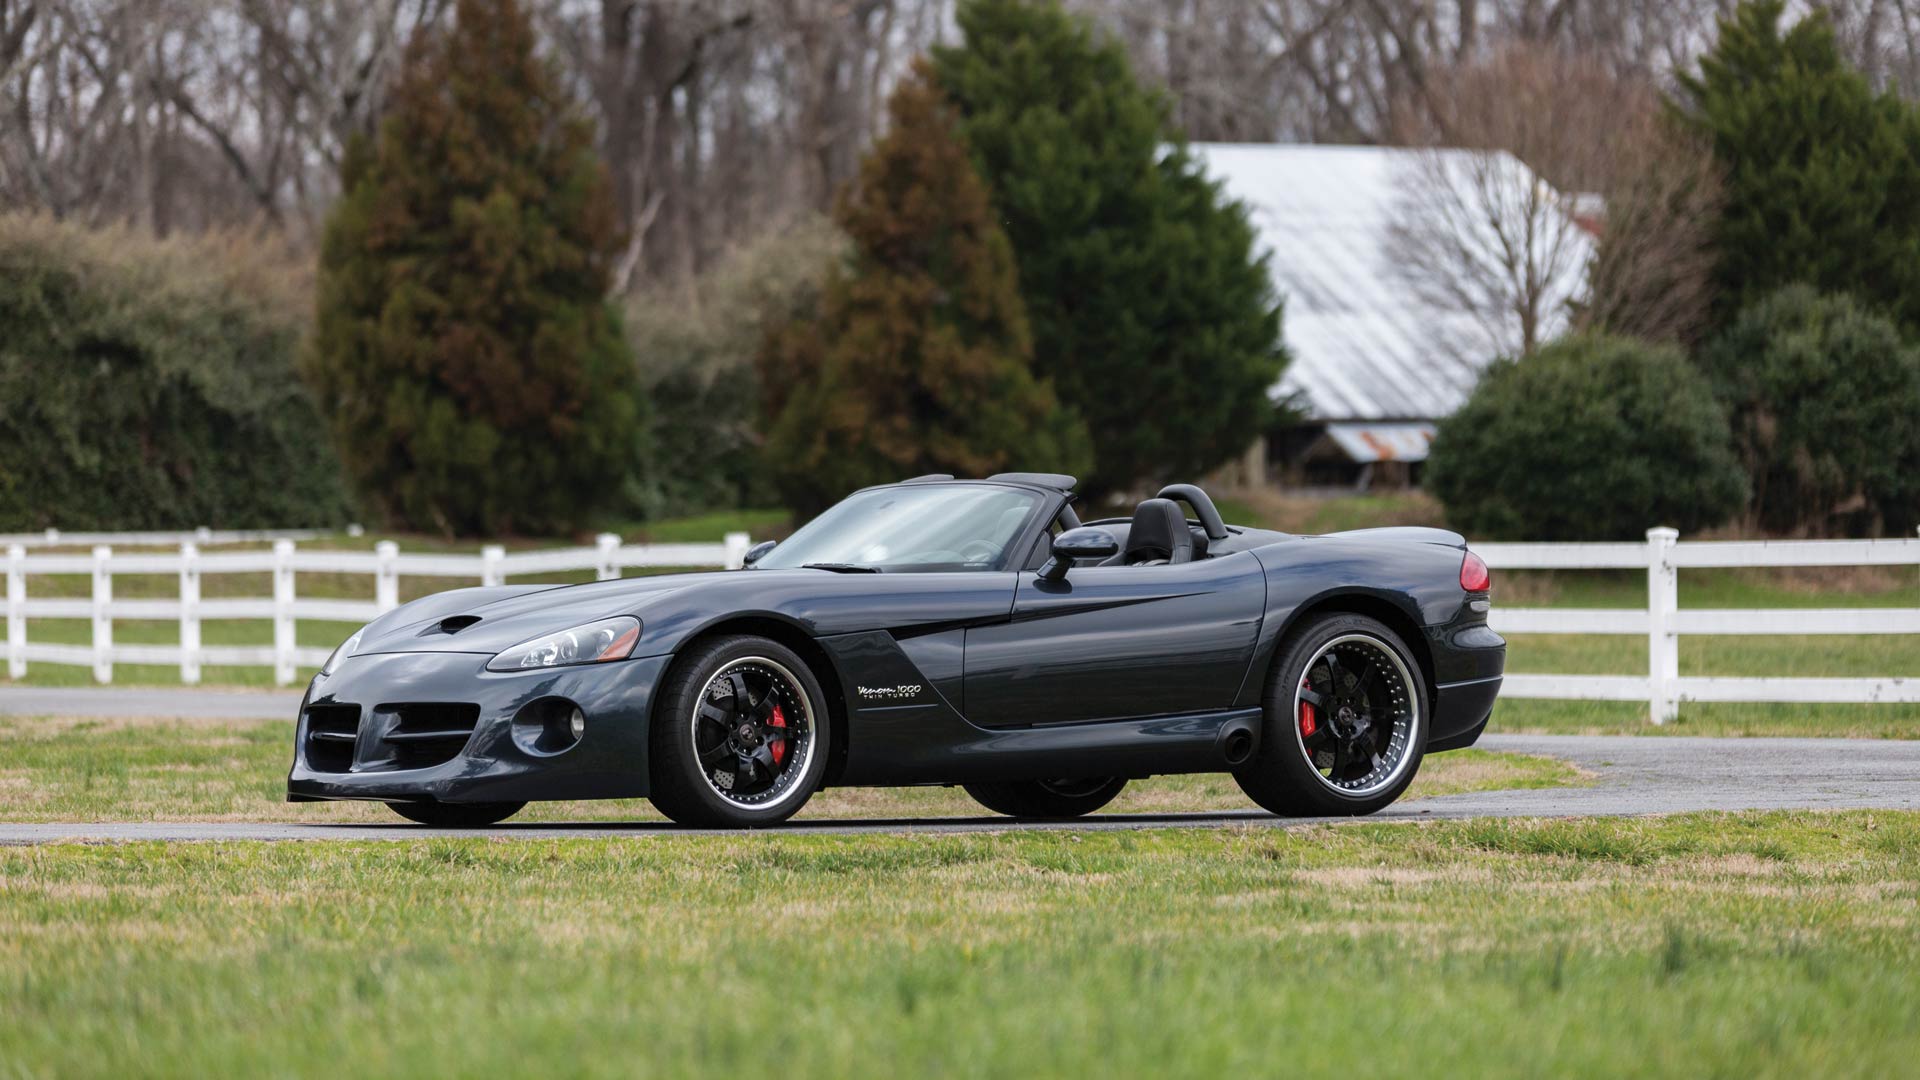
x=488, y=620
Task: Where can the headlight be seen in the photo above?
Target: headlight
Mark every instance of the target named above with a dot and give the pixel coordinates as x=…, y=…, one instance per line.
x=345, y=650
x=608, y=639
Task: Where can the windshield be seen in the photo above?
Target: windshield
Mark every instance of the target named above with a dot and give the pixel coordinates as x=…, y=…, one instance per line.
x=921, y=527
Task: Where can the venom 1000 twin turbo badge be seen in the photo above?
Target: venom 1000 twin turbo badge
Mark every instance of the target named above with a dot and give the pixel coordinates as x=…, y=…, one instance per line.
x=934, y=631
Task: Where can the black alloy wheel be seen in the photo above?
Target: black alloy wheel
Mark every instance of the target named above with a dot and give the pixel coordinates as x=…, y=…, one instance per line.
x=1346, y=721
x=739, y=738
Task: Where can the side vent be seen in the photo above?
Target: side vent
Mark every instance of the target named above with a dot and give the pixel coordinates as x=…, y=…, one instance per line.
x=331, y=731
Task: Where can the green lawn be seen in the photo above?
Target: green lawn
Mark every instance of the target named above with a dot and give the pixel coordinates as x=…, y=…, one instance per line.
x=75, y=769
x=1777, y=945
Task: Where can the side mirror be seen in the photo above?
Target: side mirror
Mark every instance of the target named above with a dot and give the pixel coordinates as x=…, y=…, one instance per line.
x=1087, y=542
x=756, y=551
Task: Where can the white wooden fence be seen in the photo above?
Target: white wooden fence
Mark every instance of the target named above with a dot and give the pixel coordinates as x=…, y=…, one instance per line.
x=385, y=564
x=1663, y=621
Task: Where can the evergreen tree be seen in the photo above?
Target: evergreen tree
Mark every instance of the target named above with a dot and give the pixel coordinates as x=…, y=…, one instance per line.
x=475, y=374
x=1149, y=310
x=1822, y=175
x=919, y=360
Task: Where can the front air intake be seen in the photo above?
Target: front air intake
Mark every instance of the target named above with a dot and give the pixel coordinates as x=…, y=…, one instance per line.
x=331, y=733
x=425, y=734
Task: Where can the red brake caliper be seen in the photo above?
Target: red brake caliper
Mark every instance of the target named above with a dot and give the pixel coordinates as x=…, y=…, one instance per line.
x=1308, y=723
x=778, y=719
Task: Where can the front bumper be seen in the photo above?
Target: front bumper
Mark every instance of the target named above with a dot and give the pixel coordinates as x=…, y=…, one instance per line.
x=495, y=764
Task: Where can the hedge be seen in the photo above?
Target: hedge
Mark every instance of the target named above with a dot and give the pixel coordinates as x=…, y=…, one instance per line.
x=150, y=384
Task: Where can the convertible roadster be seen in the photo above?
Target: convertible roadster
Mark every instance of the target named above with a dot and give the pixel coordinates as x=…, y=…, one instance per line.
x=934, y=631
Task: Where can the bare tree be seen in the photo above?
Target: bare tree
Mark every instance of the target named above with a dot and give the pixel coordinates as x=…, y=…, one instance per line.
x=1478, y=233
x=1652, y=273
x=722, y=119
x=1882, y=38
x=1336, y=70
x=1480, y=227
x=185, y=114
x=1566, y=198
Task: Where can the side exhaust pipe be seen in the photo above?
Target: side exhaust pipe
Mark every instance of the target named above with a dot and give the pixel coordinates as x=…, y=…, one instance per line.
x=1238, y=741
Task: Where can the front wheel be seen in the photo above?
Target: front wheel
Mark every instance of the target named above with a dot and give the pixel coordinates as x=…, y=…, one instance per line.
x=740, y=735
x=1047, y=798
x=1346, y=721
x=472, y=815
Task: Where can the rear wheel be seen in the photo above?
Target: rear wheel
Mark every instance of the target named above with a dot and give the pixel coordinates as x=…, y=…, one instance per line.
x=1047, y=798
x=740, y=735
x=1346, y=716
x=456, y=815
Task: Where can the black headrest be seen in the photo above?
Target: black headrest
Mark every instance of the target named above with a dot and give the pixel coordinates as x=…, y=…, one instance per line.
x=1159, y=532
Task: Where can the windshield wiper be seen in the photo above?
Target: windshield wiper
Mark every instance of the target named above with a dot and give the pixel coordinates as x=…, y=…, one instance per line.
x=841, y=567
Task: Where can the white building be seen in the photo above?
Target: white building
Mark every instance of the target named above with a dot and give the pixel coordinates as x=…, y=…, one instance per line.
x=1379, y=351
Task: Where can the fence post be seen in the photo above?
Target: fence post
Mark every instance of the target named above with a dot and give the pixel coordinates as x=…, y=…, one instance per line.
x=386, y=576
x=16, y=611
x=1663, y=644
x=282, y=612
x=102, y=616
x=607, y=544
x=189, y=613
x=490, y=557
x=737, y=544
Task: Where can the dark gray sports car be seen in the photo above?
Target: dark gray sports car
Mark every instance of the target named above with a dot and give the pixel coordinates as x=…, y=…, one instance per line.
x=935, y=631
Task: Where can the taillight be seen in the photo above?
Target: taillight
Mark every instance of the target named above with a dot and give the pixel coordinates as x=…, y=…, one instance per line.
x=1473, y=574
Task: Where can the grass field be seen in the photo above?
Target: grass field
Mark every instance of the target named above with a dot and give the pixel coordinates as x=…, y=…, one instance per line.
x=1779, y=945
x=55, y=769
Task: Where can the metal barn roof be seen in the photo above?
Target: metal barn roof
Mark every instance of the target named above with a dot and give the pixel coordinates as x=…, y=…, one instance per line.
x=1364, y=346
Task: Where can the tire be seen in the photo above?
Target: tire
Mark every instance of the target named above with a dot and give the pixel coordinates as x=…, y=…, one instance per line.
x=1047, y=798
x=721, y=761
x=473, y=815
x=1383, y=705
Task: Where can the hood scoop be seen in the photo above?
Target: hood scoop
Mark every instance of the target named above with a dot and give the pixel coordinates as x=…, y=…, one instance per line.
x=452, y=624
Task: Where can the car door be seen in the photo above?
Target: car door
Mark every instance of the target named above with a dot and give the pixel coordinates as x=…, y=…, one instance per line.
x=1112, y=642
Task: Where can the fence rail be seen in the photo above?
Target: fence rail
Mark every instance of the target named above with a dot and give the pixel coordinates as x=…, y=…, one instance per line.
x=202, y=536
x=386, y=564
x=1663, y=622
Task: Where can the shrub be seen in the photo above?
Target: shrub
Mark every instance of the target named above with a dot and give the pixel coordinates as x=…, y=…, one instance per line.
x=696, y=347
x=919, y=359
x=475, y=373
x=1150, y=312
x=1592, y=438
x=1824, y=399
x=150, y=384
